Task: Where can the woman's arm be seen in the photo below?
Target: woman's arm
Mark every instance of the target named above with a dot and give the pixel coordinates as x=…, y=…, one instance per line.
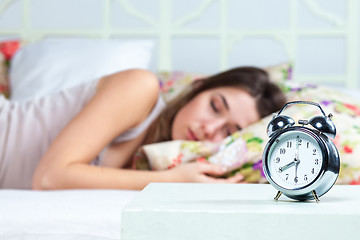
x=117, y=106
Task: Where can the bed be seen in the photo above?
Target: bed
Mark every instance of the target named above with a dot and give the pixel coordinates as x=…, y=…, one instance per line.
x=309, y=48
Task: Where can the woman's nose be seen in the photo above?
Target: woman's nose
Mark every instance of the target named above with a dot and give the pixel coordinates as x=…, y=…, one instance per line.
x=213, y=130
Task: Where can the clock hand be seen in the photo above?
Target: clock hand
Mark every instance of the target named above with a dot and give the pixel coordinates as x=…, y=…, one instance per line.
x=296, y=168
x=297, y=148
x=296, y=160
x=287, y=166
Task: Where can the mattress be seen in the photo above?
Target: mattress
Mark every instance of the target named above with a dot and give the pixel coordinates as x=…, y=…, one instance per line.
x=65, y=214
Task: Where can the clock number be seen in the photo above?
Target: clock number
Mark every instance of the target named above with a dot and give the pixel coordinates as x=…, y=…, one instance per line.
x=287, y=176
x=317, y=161
x=313, y=171
x=307, y=145
x=296, y=179
x=277, y=160
x=314, y=151
x=282, y=150
x=305, y=177
x=288, y=144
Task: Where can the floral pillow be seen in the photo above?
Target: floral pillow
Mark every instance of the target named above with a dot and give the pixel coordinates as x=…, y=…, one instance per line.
x=346, y=117
x=7, y=50
x=242, y=151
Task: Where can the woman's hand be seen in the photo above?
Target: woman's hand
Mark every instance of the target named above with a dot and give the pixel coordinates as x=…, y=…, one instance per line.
x=202, y=173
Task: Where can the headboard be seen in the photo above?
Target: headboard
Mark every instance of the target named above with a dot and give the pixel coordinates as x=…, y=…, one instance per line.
x=320, y=37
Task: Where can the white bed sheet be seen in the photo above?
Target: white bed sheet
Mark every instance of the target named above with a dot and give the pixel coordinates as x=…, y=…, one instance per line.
x=66, y=214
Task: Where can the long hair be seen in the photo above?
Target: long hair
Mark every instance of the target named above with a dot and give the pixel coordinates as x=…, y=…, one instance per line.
x=268, y=96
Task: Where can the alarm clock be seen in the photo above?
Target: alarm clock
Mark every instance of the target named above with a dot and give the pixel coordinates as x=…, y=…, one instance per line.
x=301, y=161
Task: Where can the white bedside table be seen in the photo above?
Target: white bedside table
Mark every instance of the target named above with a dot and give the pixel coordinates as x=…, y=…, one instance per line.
x=185, y=211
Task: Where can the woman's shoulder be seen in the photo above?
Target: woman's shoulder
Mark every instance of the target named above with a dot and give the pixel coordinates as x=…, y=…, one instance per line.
x=134, y=79
x=134, y=92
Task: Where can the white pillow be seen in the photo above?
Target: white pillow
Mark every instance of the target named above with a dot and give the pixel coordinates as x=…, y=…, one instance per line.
x=50, y=65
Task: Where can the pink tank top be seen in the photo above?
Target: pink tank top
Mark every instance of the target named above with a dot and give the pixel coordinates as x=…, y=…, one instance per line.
x=28, y=128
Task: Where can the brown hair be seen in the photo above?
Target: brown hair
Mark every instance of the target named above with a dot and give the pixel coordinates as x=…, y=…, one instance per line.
x=268, y=96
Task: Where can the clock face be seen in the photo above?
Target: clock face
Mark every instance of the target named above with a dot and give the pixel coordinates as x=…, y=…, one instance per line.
x=295, y=159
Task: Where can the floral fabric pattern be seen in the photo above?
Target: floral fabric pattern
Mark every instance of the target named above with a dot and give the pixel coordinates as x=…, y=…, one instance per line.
x=173, y=83
x=346, y=118
x=7, y=50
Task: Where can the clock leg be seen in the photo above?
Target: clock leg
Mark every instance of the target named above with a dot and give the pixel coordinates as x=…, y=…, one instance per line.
x=315, y=196
x=277, y=196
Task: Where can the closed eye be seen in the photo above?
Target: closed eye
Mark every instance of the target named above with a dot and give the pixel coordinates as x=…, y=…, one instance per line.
x=228, y=132
x=214, y=107
x=231, y=129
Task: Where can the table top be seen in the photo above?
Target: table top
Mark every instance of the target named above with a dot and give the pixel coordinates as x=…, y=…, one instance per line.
x=241, y=198
x=238, y=211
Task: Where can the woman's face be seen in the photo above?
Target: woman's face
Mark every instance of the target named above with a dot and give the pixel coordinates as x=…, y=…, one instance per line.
x=214, y=114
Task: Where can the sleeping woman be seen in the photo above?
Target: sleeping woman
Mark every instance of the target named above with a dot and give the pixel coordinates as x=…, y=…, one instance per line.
x=86, y=136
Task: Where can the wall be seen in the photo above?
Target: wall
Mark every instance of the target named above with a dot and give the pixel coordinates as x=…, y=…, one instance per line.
x=320, y=37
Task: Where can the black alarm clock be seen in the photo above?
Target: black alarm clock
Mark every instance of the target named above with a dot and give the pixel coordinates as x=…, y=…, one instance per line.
x=301, y=161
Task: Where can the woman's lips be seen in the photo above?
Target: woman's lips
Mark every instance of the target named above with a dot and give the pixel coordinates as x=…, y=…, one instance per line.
x=191, y=135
